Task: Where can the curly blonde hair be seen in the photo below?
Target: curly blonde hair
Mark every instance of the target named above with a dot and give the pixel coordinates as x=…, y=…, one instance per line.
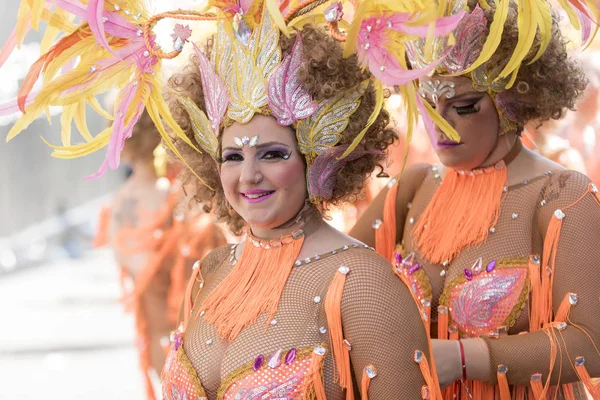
x=324, y=73
x=545, y=89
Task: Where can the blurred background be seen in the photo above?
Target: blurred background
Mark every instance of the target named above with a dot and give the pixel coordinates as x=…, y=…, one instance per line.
x=63, y=333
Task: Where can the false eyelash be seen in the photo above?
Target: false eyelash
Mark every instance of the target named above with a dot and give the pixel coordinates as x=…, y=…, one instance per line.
x=466, y=109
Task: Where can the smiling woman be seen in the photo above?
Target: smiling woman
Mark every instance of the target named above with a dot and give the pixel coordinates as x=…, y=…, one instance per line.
x=283, y=313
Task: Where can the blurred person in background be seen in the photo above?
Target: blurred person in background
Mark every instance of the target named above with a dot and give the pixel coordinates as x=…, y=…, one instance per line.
x=498, y=243
x=155, y=241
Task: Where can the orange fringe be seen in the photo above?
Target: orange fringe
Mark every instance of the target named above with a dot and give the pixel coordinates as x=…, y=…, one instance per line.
x=187, y=300
x=385, y=236
x=451, y=223
x=430, y=377
x=520, y=392
x=584, y=376
x=339, y=350
x=253, y=286
x=101, y=238
x=535, y=311
x=366, y=381
x=562, y=314
x=548, y=262
x=442, y=323
x=313, y=386
x=503, y=385
x=568, y=392
x=537, y=389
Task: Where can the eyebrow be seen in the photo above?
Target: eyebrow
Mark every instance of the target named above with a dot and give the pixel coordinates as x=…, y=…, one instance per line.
x=258, y=146
x=467, y=94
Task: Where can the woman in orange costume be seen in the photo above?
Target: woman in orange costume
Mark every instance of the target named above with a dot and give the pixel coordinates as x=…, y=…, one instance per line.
x=155, y=244
x=499, y=244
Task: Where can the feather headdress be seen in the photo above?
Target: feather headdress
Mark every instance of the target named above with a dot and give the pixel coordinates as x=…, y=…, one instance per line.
x=113, y=46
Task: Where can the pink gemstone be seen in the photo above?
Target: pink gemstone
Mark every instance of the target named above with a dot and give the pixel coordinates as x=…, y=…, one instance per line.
x=258, y=362
x=275, y=359
x=290, y=357
x=477, y=267
x=398, y=257
x=409, y=260
x=468, y=274
x=178, y=342
x=491, y=265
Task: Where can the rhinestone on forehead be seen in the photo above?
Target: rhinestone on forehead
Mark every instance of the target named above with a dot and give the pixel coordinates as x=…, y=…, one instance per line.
x=436, y=89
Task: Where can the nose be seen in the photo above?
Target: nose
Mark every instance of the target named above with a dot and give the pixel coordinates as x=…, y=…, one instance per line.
x=250, y=174
x=445, y=114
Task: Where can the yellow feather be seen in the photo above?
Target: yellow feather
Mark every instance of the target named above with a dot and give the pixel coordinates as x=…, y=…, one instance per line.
x=81, y=150
x=23, y=21
x=65, y=122
x=352, y=33
x=494, y=36
x=545, y=26
x=573, y=19
x=81, y=123
x=37, y=9
x=23, y=122
x=527, y=22
x=61, y=20
x=155, y=111
x=379, y=96
x=448, y=130
x=95, y=104
x=273, y=9
x=409, y=93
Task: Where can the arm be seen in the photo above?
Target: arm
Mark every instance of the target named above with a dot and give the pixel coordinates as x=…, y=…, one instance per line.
x=576, y=270
x=382, y=323
x=409, y=182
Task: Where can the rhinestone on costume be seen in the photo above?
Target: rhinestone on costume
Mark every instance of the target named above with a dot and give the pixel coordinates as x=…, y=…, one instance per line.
x=502, y=369
x=561, y=326
x=418, y=356
x=525, y=182
x=117, y=8
x=273, y=322
x=573, y=298
x=127, y=12
x=275, y=359
x=414, y=269
x=139, y=32
x=436, y=176
x=426, y=302
x=307, y=260
x=178, y=44
x=535, y=259
x=348, y=344
x=491, y=266
x=425, y=395
x=320, y=350
x=209, y=342
x=579, y=361
x=201, y=285
x=345, y=248
x=411, y=220
x=594, y=188
x=290, y=357
x=334, y=12
x=93, y=68
x=477, y=267
x=468, y=274
x=146, y=53
x=370, y=371
x=505, y=189
x=202, y=313
x=445, y=263
x=409, y=205
x=344, y=270
x=377, y=223
x=104, y=19
x=317, y=299
x=398, y=257
x=298, y=263
x=435, y=168
x=559, y=214
x=323, y=330
x=258, y=362
x=392, y=183
x=536, y=377
x=443, y=272
x=382, y=68
x=196, y=264
x=492, y=230
x=452, y=329
x=172, y=337
x=515, y=216
x=548, y=173
x=366, y=46
x=543, y=203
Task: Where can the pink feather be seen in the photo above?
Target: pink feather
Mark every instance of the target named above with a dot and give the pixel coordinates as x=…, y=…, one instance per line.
x=9, y=46
x=288, y=99
x=118, y=136
x=95, y=13
x=12, y=107
x=322, y=173
x=427, y=121
x=216, y=98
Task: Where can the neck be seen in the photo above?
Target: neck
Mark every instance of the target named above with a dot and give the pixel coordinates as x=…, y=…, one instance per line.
x=506, y=145
x=143, y=171
x=309, y=222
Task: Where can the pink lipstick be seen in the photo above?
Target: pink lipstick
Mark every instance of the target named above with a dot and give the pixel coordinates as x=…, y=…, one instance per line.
x=256, y=195
x=448, y=144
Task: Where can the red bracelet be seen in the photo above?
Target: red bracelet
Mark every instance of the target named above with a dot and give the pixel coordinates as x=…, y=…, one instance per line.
x=462, y=360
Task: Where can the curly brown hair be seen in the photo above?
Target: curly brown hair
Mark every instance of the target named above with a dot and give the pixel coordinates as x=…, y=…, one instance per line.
x=545, y=89
x=324, y=73
x=145, y=138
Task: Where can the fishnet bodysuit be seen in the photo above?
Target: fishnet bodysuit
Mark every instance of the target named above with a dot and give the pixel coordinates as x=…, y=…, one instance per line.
x=520, y=232
x=379, y=316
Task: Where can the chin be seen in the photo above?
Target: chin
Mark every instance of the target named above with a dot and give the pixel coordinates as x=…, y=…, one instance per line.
x=457, y=162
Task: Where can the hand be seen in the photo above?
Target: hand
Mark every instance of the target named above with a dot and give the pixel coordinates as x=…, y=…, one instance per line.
x=448, y=363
